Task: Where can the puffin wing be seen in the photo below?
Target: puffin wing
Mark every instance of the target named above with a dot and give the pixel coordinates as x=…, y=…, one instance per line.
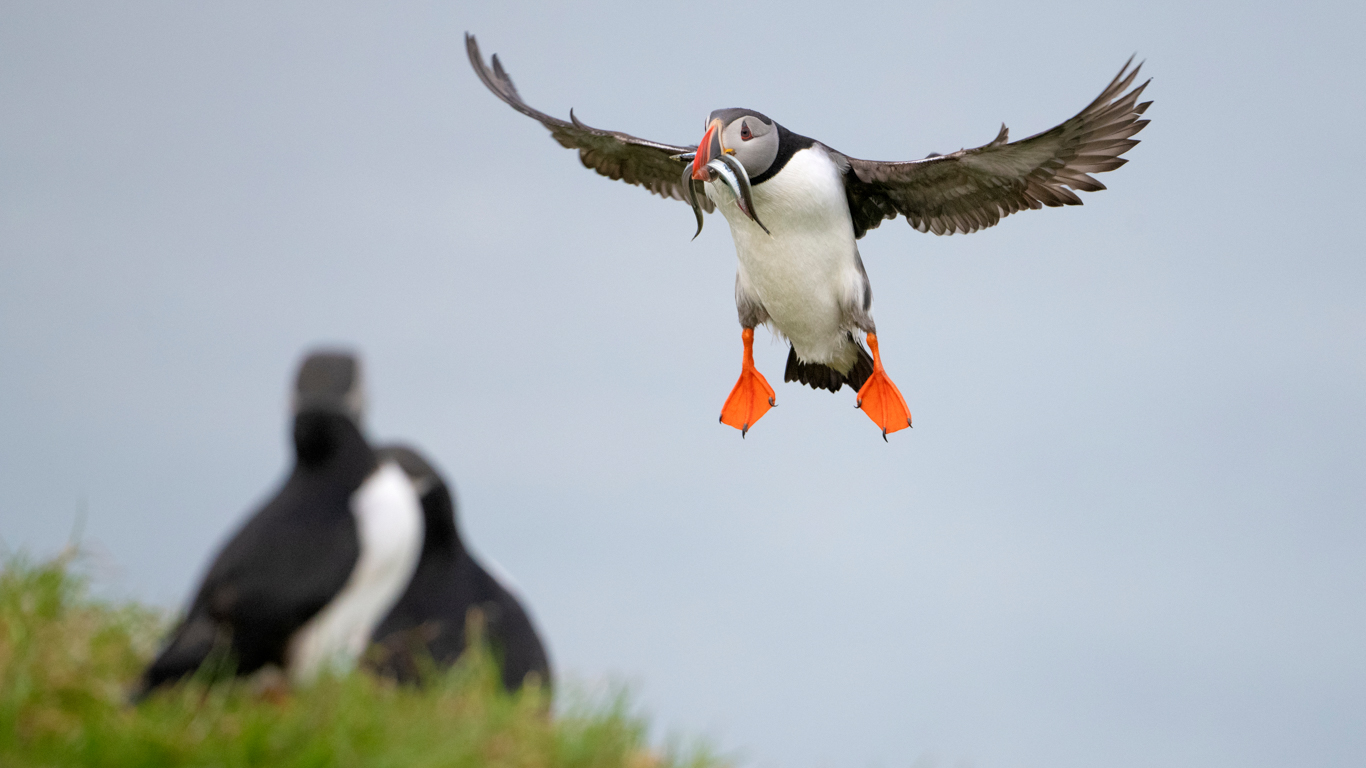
x=613, y=154
x=973, y=189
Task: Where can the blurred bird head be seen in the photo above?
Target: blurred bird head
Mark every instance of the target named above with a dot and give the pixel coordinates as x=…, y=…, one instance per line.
x=423, y=476
x=330, y=381
x=328, y=403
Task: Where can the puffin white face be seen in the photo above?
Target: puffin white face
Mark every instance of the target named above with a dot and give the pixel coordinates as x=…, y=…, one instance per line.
x=746, y=135
x=751, y=137
x=739, y=144
x=420, y=473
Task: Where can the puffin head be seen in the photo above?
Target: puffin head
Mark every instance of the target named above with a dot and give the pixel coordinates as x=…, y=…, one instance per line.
x=328, y=403
x=746, y=135
x=330, y=381
x=423, y=476
x=438, y=506
x=738, y=144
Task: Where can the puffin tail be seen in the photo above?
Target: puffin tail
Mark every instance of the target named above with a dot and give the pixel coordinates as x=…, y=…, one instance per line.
x=819, y=376
x=196, y=641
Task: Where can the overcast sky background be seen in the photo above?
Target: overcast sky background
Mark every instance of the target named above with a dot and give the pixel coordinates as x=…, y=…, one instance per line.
x=1128, y=529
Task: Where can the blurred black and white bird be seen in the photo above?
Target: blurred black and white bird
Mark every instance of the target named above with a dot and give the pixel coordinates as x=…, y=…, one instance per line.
x=306, y=581
x=428, y=624
x=796, y=209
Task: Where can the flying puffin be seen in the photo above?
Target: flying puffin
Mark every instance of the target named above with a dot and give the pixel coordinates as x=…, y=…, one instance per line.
x=305, y=582
x=428, y=622
x=797, y=208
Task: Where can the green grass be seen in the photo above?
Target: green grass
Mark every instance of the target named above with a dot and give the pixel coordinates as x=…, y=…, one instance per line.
x=67, y=661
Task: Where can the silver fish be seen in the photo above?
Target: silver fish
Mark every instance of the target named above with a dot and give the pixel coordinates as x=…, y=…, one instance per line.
x=690, y=194
x=735, y=177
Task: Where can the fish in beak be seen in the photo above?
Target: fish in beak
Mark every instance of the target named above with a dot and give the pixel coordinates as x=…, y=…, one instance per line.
x=711, y=162
x=690, y=192
x=729, y=170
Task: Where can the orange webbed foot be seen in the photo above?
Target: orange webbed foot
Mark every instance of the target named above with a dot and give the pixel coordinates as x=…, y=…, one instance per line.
x=752, y=396
x=880, y=399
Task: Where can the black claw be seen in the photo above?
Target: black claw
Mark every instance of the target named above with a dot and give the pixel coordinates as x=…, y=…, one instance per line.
x=744, y=430
x=884, y=435
x=772, y=402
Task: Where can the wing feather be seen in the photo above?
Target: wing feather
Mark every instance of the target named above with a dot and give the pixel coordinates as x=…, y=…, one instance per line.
x=973, y=189
x=613, y=154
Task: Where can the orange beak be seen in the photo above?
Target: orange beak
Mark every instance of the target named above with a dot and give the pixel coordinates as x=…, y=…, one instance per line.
x=709, y=147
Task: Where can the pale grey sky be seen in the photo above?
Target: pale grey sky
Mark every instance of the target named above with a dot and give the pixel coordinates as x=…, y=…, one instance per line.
x=1127, y=529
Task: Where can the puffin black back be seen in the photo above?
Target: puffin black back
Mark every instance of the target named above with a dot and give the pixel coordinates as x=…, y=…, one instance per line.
x=284, y=564
x=296, y=552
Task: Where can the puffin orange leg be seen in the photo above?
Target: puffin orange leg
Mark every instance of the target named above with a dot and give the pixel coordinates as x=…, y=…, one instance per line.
x=880, y=399
x=752, y=396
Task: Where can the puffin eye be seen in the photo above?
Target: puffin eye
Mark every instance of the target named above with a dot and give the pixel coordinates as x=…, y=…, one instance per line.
x=745, y=135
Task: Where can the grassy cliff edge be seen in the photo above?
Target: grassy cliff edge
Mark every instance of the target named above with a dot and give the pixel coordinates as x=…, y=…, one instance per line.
x=67, y=661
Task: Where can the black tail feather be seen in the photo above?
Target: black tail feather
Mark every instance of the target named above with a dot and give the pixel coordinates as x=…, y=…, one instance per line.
x=818, y=376
x=198, y=645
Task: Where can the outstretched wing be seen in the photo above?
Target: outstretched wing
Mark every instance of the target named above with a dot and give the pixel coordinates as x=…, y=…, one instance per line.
x=613, y=154
x=973, y=189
